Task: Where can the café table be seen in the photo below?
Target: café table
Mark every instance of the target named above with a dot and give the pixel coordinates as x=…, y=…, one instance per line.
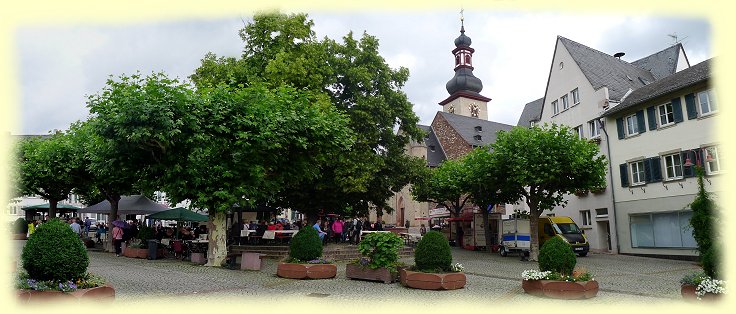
x=271, y=234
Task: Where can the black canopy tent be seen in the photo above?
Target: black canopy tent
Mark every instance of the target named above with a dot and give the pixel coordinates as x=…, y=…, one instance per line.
x=128, y=205
x=44, y=208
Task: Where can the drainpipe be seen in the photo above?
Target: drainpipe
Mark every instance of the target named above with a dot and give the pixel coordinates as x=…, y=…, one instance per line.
x=613, y=190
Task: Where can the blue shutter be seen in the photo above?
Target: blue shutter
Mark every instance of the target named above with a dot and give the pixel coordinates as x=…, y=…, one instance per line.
x=620, y=128
x=652, y=115
x=624, y=175
x=692, y=110
x=647, y=170
x=677, y=109
x=656, y=164
x=640, y=121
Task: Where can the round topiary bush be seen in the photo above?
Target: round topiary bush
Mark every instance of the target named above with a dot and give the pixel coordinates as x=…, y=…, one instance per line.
x=55, y=252
x=433, y=253
x=20, y=226
x=305, y=245
x=556, y=255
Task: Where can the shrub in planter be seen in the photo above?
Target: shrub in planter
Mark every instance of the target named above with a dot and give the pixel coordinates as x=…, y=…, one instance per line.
x=144, y=234
x=381, y=249
x=305, y=246
x=433, y=253
x=557, y=256
x=54, y=252
x=20, y=226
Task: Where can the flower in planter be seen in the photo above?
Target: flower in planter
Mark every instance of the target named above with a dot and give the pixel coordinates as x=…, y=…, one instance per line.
x=709, y=285
x=457, y=267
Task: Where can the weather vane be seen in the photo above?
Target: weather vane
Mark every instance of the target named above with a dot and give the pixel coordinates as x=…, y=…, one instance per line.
x=461, y=16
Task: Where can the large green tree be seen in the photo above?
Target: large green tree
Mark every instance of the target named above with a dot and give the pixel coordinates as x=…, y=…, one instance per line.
x=482, y=184
x=47, y=167
x=250, y=144
x=282, y=49
x=541, y=165
x=445, y=185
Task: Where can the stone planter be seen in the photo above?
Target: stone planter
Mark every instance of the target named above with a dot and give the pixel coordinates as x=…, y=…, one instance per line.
x=19, y=236
x=561, y=289
x=353, y=271
x=103, y=293
x=688, y=293
x=135, y=252
x=306, y=271
x=431, y=281
x=198, y=258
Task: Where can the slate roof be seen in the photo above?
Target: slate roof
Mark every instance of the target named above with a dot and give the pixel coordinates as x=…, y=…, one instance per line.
x=532, y=112
x=663, y=63
x=466, y=127
x=605, y=70
x=687, y=77
x=434, y=158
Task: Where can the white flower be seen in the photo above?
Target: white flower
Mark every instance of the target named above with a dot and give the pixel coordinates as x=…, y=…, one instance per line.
x=709, y=285
x=457, y=267
x=533, y=274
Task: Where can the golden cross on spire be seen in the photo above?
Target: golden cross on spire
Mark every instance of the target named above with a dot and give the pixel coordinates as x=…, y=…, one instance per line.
x=461, y=15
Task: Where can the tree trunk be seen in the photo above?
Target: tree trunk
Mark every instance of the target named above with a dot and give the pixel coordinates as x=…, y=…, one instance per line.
x=486, y=229
x=533, y=231
x=53, y=205
x=311, y=218
x=458, y=228
x=114, y=202
x=217, y=235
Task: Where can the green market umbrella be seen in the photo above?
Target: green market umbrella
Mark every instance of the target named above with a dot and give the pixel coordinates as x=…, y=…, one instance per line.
x=178, y=214
x=60, y=208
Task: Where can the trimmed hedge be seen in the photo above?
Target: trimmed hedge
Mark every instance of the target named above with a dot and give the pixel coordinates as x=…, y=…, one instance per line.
x=433, y=253
x=305, y=245
x=556, y=255
x=55, y=252
x=382, y=248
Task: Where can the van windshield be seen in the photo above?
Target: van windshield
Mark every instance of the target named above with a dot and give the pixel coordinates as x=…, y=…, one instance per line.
x=568, y=228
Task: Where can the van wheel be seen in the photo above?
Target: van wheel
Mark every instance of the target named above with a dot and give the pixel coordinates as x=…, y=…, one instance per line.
x=503, y=252
x=582, y=254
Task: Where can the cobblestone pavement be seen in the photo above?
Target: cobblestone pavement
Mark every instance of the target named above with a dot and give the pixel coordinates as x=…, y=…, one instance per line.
x=490, y=279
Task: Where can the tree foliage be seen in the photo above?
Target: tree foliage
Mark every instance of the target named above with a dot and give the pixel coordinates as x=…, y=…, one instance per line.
x=540, y=165
x=281, y=50
x=703, y=224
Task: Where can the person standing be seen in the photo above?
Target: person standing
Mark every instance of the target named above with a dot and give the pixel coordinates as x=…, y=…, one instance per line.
x=87, y=225
x=357, y=228
x=76, y=227
x=117, y=238
x=337, y=230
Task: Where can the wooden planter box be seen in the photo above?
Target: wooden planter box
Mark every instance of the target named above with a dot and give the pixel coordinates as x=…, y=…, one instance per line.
x=688, y=293
x=141, y=253
x=353, y=271
x=431, y=281
x=306, y=271
x=103, y=293
x=561, y=289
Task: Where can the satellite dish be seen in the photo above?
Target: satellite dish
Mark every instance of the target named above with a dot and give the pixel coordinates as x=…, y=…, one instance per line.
x=619, y=55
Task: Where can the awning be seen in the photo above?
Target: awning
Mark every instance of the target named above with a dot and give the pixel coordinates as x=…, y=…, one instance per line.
x=178, y=214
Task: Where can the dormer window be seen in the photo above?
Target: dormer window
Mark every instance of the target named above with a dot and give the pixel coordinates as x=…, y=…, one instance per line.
x=478, y=128
x=477, y=138
x=431, y=148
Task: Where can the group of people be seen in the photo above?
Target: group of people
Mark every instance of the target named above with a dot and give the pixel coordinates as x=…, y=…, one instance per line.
x=345, y=231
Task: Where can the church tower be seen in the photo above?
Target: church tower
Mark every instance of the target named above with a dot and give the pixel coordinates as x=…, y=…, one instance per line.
x=464, y=87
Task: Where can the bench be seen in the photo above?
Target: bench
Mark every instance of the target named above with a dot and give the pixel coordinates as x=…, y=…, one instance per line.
x=251, y=261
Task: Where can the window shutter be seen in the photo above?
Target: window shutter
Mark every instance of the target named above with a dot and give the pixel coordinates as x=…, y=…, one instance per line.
x=688, y=172
x=624, y=175
x=692, y=110
x=652, y=115
x=647, y=170
x=640, y=121
x=677, y=109
x=620, y=127
x=656, y=164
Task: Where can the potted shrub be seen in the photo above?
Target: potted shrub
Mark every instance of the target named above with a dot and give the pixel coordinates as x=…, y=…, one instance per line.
x=557, y=277
x=699, y=286
x=380, y=253
x=55, y=267
x=20, y=229
x=433, y=268
x=305, y=258
x=135, y=249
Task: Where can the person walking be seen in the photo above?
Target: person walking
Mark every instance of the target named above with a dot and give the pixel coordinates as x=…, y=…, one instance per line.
x=117, y=238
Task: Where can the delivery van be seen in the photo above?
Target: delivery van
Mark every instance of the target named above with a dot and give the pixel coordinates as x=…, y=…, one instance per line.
x=516, y=236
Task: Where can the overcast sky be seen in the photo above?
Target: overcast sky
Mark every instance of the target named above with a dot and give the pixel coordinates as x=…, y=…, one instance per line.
x=59, y=65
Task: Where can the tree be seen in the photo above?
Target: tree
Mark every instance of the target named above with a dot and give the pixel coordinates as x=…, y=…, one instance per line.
x=445, y=185
x=46, y=167
x=250, y=144
x=482, y=185
x=541, y=165
x=703, y=223
x=282, y=50
x=133, y=134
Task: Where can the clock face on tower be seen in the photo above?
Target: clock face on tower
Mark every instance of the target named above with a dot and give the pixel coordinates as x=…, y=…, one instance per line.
x=474, y=110
x=451, y=109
